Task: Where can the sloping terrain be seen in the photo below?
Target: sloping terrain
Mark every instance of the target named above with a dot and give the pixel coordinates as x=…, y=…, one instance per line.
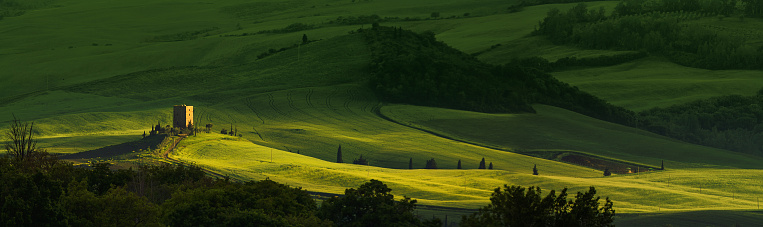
x=97, y=73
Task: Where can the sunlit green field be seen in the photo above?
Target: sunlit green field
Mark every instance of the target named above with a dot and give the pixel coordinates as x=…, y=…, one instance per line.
x=78, y=69
x=671, y=190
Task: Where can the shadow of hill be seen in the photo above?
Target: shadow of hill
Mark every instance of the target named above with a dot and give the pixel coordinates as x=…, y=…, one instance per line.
x=119, y=149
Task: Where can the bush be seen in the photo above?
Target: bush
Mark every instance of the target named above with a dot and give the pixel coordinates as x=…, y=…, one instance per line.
x=431, y=164
x=360, y=161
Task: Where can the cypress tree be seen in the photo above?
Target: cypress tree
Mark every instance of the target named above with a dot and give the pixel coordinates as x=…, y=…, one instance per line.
x=339, y=155
x=662, y=165
x=482, y=164
x=491, y=165
x=459, y=164
x=410, y=163
x=535, y=169
x=606, y=172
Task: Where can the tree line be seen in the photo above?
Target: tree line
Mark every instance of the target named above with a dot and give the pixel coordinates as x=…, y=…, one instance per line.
x=731, y=122
x=664, y=32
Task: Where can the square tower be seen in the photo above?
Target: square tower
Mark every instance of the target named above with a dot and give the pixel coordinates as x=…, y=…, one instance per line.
x=183, y=116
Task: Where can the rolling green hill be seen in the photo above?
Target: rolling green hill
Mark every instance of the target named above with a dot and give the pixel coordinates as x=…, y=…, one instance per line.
x=647, y=83
x=96, y=73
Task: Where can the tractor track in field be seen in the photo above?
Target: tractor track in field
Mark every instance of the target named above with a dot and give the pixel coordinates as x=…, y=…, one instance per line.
x=165, y=156
x=328, y=99
x=309, y=98
x=348, y=100
x=294, y=107
x=272, y=104
x=250, y=104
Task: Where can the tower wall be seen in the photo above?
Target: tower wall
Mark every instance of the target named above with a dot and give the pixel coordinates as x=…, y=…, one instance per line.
x=182, y=116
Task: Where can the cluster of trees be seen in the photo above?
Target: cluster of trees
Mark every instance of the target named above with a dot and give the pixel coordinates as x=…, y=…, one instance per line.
x=272, y=51
x=14, y=8
x=750, y=8
x=373, y=18
x=373, y=205
x=571, y=62
x=362, y=19
x=661, y=33
x=415, y=68
x=730, y=122
x=360, y=161
x=512, y=206
x=357, y=161
x=182, y=36
x=524, y=3
x=232, y=132
x=295, y=27
x=158, y=129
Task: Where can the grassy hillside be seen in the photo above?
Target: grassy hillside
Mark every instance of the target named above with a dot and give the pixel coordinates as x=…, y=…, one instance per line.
x=653, y=82
x=99, y=73
x=673, y=190
x=557, y=129
x=71, y=42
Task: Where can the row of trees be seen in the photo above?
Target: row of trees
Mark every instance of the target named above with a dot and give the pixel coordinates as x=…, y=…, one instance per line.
x=729, y=122
x=750, y=8
x=655, y=32
x=430, y=164
x=573, y=62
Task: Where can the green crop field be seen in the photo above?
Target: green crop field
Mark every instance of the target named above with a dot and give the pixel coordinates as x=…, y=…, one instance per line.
x=653, y=82
x=96, y=73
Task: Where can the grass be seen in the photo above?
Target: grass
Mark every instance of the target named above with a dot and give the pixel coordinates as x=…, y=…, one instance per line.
x=313, y=98
x=672, y=190
x=653, y=82
x=558, y=129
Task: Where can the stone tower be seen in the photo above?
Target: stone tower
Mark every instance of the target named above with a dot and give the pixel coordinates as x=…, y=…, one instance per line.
x=183, y=116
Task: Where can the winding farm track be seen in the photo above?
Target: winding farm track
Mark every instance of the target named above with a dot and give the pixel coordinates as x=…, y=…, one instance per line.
x=165, y=156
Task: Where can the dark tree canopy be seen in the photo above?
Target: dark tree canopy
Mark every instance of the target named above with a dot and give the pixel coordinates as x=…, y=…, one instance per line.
x=370, y=203
x=482, y=164
x=512, y=206
x=414, y=68
x=431, y=164
x=360, y=161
